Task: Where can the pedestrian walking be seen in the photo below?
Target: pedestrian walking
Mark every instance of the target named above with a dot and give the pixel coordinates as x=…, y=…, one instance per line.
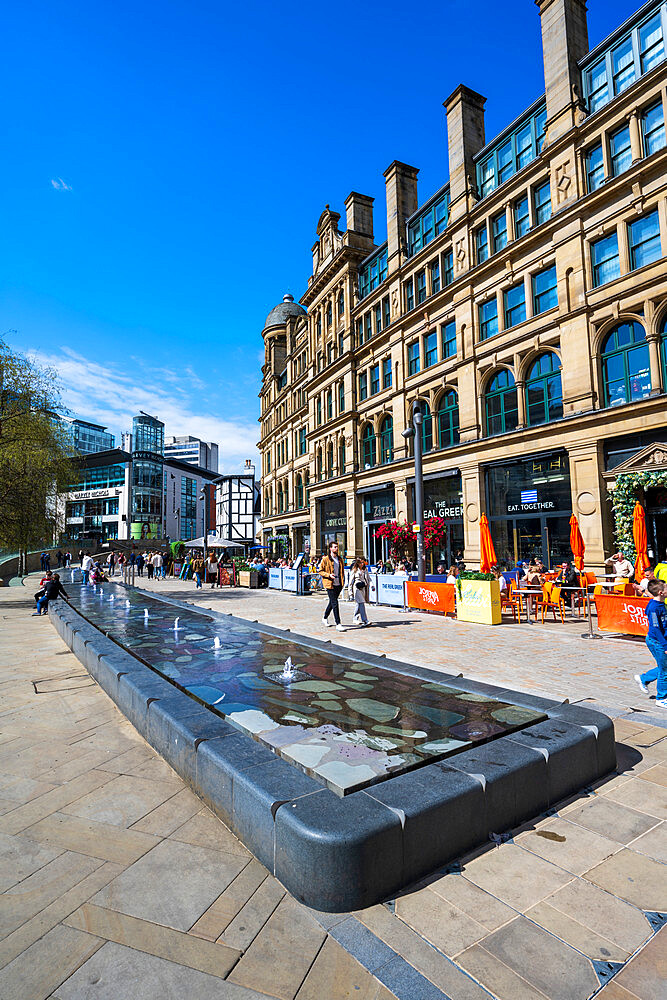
x=197, y=570
x=140, y=564
x=68, y=559
x=358, y=588
x=333, y=574
x=59, y=557
x=157, y=565
x=47, y=560
x=111, y=562
x=212, y=568
x=656, y=640
x=149, y=565
x=52, y=589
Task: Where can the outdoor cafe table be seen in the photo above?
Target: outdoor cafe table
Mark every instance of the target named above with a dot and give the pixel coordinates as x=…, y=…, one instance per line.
x=528, y=592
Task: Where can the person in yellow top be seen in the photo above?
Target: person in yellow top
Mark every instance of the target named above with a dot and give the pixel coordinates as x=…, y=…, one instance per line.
x=661, y=571
x=332, y=572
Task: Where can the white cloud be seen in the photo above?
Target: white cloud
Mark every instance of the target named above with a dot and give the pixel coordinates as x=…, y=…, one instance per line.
x=112, y=395
x=59, y=184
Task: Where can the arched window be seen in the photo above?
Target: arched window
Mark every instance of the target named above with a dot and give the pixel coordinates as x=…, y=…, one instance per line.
x=626, y=373
x=544, y=393
x=427, y=427
x=368, y=447
x=448, y=419
x=502, y=407
x=386, y=441
x=319, y=465
x=330, y=468
x=299, y=493
x=341, y=457
x=663, y=352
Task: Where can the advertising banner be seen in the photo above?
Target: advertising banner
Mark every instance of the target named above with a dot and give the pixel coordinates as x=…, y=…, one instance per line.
x=276, y=578
x=390, y=589
x=479, y=602
x=289, y=580
x=617, y=613
x=438, y=597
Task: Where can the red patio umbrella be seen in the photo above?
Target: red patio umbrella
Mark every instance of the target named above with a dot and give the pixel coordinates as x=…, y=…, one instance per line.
x=577, y=543
x=639, y=536
x=486, y=544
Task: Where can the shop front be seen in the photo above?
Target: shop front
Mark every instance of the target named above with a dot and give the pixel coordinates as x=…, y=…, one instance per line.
x=443, y=498
x=379, y=507
x=529, y=505
x=301, y=536
x=278, y=543
x=332, y=516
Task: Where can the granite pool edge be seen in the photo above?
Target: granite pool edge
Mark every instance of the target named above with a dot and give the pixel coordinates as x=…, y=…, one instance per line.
x=340, y=854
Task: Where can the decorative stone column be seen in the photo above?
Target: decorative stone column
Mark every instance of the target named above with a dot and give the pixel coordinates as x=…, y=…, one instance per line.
x=654, y=362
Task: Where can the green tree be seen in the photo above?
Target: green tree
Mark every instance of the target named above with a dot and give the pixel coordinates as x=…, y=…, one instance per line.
x=36, y=458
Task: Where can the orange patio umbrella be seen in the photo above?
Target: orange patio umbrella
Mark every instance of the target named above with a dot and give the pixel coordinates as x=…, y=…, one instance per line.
x=639, y=536
x=577, y=543
x=486, y=544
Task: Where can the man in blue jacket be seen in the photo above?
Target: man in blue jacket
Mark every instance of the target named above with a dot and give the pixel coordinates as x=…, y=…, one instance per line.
x=656, y=640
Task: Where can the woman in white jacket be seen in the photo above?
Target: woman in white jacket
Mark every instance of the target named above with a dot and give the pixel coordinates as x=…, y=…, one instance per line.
x=358, y=588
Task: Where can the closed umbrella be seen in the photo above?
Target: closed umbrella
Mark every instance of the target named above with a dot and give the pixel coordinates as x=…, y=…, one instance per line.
x=639, y=536
x=577, y=544
x=486, y=544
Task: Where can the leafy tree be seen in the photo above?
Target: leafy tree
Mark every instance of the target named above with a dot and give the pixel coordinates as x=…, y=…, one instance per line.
x=36, y=458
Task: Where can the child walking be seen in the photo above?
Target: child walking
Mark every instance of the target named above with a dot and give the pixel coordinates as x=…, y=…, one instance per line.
x=656, y=640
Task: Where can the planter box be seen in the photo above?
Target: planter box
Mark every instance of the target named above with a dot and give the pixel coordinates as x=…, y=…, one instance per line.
x=479, y=602
x=248, y=578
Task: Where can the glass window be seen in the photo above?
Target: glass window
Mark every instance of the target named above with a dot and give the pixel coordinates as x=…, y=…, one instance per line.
x=427, y=427
x=501, y=404
x=435, y=276
x=499, y=230
x=605, y=259
x=386, y=314
x=341, y=397
x=360, y=332
x=341, y=303
x=448, y=419
x=386, y=441
x=448, y=339
x=319, y=409
x=514, y=300
x=623, y=66
x=524, y=145
x=625, y=365
x=378, y=317
x=482, y=244
x=486, y=177
x=596, y=85
x=594, y=168
x=382, y=266
x=430, y=349
x=542, y=203
x=644, y=240
x=540, y=125
x=621, y=152
x=363, y=386
x=545, y=292
x=505, y=162
x=375, y=379
x=651, y=44
x=368, y=446
x=544, y=395
x=386, y=373
x=302, y=441
x=441, y=212
x=653, y=128
x=421, y=286
x=409, y=295
x=341, y=342
x=413, y=357
x=329, y=405
x=368, y=323
x=521, y=217
x=427, y=228
x=341, y=457
x=448, y=260
x=488, y=318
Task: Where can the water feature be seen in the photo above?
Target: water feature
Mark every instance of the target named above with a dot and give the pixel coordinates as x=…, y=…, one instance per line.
x=344, y=721
x=177, y=627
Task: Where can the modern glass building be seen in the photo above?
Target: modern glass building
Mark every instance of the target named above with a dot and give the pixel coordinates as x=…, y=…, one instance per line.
x=88, y=438
x=147, y=476
x=203, y=454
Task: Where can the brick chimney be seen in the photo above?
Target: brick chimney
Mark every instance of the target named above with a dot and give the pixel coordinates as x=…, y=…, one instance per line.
x=564, y=43
x=465, y=138
x=401, y=186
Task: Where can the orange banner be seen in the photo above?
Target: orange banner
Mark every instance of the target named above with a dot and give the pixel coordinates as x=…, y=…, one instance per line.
x=431, y=596
x=617, y=613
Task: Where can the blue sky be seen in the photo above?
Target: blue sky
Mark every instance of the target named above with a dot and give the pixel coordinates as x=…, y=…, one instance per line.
x=164, y=166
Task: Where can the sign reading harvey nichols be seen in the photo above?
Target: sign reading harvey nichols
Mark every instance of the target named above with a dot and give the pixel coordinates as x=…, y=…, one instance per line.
x=92, y=494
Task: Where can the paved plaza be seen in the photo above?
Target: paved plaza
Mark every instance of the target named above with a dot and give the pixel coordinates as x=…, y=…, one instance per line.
x=118, y=883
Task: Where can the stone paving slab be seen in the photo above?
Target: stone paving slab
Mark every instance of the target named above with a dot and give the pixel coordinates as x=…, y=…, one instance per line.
x=542, y=924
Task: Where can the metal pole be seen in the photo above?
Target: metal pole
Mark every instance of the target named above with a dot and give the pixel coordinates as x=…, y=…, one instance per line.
x=419, y=492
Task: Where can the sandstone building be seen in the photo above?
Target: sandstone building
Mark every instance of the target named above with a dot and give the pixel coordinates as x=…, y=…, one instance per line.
x=525, y=305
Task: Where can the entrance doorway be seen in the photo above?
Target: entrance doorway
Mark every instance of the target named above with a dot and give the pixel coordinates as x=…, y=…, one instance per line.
x=545, y=537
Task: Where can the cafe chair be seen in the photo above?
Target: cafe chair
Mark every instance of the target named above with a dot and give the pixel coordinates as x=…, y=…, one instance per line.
x=551, y=599
x=509, y=599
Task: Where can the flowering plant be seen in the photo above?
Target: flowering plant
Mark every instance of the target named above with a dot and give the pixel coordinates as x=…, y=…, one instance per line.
x=401, y=535
x=435, y=531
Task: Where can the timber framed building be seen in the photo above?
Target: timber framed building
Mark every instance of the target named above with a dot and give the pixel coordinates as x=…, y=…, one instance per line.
x=525, y=304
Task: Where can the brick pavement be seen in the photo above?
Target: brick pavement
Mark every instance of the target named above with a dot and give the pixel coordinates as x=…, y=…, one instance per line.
x=94, y=827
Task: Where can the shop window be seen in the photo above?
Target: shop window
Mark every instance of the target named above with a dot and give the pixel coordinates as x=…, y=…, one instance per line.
x=644, y=240
x=488, y=318
x=521, y=217
x=625, y=365
x=605, y=260
x=448, y=419
x=413, y=357
x=501, y=404
x=368, y=447
x=653, y=128
x=594, y=168
x=386, y=441
x=545, y=291
x=448, y=339
x=620, y=150
x=544, y=394
x=499, y=230
x=514, y=303
x=430, y=349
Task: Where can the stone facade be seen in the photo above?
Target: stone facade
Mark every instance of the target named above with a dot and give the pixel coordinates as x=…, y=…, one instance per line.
x=360, y=349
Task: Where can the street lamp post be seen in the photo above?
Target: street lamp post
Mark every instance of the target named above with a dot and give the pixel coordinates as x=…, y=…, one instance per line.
x=416, y=432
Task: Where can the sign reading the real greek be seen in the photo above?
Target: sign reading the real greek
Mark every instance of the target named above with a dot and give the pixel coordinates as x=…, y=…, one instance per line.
x=289, y=579
x=390, y=590
x=275, y=578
